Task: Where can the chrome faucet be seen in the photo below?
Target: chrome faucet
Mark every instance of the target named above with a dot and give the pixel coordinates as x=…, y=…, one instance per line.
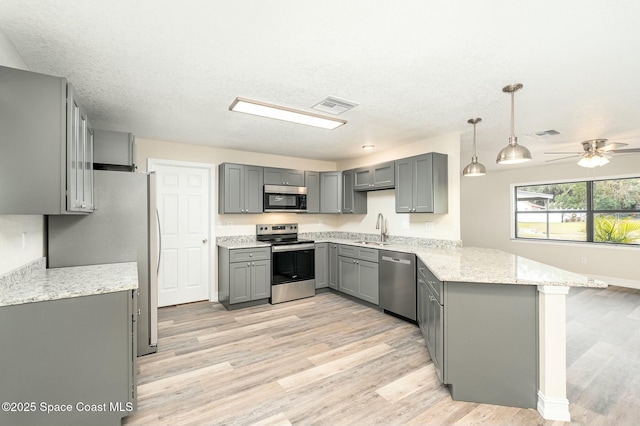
x=380, y=224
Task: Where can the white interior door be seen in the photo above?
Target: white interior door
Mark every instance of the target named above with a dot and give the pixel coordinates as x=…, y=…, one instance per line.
x=183, y=194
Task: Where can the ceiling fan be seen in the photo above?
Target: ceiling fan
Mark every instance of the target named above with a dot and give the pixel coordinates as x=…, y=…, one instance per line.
x=594, y=152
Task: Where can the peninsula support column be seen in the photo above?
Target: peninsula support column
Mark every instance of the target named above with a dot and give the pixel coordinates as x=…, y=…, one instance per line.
x=552, y=330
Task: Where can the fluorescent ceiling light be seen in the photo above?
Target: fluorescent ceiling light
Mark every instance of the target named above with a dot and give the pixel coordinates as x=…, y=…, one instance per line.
x=278, y=112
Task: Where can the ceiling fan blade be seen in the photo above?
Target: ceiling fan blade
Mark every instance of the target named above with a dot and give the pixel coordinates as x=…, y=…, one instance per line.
x=563, y=152
x=612, y=146
x=562, y=158
x=622, y=151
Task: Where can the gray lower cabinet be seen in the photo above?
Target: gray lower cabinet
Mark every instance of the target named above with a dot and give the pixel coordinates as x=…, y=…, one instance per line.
x=331, y=192
x=378, y=176
x=47, y=162
x=240, y=189
x=79, y=353
x=312, y=182
x=353, y=202
x=430, y=317
x=421, y=184
x=482, y=338
x=333, y=266
x=490, y=343
x=322, y=265
x=244, y=275
x=287, y=177
x=358, y=273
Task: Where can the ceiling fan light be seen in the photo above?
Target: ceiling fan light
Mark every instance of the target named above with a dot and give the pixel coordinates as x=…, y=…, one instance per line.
x=593, y=160
x=513, y=154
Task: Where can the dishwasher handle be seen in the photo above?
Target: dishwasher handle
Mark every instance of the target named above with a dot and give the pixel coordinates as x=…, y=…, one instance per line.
x=396, y=260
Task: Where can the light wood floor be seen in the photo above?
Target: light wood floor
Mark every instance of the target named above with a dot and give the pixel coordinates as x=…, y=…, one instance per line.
x=330, y=361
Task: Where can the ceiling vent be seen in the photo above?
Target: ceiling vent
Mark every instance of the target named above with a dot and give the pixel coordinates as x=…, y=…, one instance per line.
x=543, y=134
x=334, y=105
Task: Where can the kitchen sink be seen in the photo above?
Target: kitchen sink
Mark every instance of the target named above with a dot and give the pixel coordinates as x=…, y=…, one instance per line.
x=372, y=243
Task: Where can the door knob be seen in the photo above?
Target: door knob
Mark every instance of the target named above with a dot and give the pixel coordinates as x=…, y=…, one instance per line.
x=205, y=241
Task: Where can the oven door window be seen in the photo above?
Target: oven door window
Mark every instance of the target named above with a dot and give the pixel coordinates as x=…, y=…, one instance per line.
x=292, y=266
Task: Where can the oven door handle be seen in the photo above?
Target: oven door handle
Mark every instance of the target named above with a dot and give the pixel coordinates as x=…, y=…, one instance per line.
x=292, y=247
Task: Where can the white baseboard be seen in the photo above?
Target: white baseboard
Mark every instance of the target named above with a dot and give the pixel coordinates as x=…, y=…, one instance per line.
x=553, y=408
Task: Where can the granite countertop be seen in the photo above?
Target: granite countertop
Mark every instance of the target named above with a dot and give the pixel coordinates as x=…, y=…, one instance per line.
x=63, y=283
x=242, y=244
x=483, y=265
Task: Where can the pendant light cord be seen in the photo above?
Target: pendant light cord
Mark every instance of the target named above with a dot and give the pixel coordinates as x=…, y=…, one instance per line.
x=474, y=141
x=513, y=132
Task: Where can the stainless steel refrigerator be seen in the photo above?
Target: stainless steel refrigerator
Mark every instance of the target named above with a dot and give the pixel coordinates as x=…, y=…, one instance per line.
x=122, y=229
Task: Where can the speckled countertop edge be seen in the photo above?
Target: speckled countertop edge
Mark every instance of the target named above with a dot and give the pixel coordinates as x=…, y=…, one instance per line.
x=451, y=262
x=63, y=283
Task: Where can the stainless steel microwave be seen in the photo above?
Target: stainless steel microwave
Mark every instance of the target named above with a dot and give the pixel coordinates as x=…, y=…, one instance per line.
x=289, y=199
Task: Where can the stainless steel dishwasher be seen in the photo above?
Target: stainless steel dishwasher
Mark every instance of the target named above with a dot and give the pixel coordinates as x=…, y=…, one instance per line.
x=397, y=275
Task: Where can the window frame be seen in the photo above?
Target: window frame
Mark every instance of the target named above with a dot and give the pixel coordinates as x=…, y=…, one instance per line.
x=590, y=212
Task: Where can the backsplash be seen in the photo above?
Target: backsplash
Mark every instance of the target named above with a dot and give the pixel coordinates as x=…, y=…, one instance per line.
x=22, y=273
x=340, y=235
x=392, y=239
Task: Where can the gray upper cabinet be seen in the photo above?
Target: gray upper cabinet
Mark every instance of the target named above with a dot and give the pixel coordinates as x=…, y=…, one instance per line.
x=114, y=150
x=274, y=176
x=352, y=202
x=312, y=180
x=241, y=189
x=378, y=176
x=422, y=184
x=330, y=192
x=46, y=166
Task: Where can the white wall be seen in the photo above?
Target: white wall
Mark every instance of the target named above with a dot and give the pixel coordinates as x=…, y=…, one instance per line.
x=239, y=224
x=14, y=252
x=486, y=220
x=445, y=226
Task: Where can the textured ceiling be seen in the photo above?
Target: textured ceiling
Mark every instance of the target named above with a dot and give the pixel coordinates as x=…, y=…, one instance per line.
x=168, y=70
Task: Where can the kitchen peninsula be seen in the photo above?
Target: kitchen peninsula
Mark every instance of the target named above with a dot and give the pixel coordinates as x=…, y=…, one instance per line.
x=502, y=338
x=71, y=356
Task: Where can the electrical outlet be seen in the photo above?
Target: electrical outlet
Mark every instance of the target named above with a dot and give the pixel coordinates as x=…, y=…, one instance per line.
x=583, y=260
x=430, y=226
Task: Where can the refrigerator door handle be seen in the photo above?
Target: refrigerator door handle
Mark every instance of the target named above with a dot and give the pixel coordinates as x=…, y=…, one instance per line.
x=154, y=253
x=159, y=242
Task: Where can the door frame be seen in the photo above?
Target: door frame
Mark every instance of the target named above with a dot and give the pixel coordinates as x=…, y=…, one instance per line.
x=152, y=164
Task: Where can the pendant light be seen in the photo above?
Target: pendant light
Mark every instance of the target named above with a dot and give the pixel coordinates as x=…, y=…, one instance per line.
x=474, y=168
x=513, y=153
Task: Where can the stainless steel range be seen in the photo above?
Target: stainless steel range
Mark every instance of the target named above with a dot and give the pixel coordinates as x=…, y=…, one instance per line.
x=292, y=262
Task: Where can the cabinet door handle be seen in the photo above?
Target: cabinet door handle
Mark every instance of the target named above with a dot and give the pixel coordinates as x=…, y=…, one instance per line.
x=248, y=263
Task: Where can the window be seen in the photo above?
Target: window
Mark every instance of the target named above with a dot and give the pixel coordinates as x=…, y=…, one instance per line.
x=602, y=211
